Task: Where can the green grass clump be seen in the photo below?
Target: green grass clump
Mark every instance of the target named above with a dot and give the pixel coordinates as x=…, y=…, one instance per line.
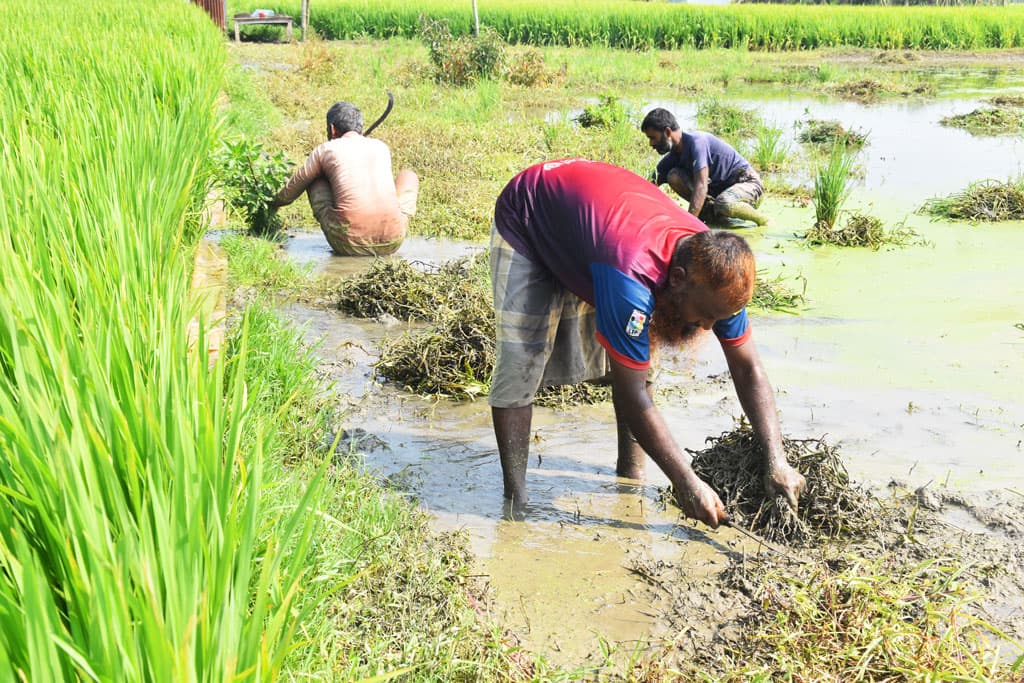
x=770, y=152
x=862, y=230
x=832, y=185
x=728, y=121
x=829, y=133
x=989, y=200
x=254, y=262
x=775, y=294
x=853, y=619
x=989, y=121
x=609, y=112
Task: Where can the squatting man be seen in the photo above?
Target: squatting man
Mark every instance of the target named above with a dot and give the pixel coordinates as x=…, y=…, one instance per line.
x=362, y=209
x=591, y=262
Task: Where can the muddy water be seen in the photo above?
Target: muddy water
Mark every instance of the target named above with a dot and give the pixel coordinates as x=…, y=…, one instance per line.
x=908, y=359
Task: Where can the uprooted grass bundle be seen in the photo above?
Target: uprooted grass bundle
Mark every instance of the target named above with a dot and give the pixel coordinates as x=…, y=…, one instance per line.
x=993, y=121
x=775, y=294
x=829, y=133
x=1016, y=101
x=989, y=200
x=455, y=356
x=830, y=507
x=862, y=230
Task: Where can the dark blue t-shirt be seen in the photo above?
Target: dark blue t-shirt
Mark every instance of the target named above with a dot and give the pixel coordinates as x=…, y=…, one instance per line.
x=704, y=150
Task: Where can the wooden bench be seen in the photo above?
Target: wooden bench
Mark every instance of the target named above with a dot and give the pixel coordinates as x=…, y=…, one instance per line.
x=278, y=19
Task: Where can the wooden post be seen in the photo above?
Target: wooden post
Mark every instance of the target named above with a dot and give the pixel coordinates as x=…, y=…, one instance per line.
x=476, y=21
x=305, y=18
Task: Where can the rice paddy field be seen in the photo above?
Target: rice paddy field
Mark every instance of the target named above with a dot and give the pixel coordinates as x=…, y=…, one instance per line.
x=660, y=25
x=301, y=503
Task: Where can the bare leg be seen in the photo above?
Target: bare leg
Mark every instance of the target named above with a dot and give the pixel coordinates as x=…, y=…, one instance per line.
x=632, y=459
x=678, y=182
x=512, y=431
x=407, y=185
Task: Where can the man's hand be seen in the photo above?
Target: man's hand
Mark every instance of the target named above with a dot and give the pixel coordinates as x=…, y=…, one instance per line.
x=784, y=480
x=698, y=500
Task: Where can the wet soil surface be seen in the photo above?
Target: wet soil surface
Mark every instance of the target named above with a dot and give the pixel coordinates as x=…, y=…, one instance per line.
x=600, y=565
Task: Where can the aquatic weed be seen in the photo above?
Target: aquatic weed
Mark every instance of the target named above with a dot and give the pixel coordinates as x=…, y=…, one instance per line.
x=609, y=112
x=992, y=121
x=828, y=132
x=727, y=121
x=775, y=294
x=988, y=200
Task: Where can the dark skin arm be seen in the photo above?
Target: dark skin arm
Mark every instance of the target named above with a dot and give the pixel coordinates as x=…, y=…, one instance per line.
x=758, y=401
x=634, y=405
x=700, y=191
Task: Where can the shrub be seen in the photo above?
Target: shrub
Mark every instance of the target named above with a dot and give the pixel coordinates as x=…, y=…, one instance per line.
x=464, y=59
x=250, y=179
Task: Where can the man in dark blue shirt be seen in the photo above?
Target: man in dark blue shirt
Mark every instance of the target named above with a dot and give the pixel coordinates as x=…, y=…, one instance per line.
x=705, y=170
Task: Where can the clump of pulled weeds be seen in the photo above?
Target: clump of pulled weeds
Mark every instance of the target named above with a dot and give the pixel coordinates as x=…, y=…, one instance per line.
x=829, y=133
x=775, y=294
x=830, y=508
x=992, y=121
x=453, y=357
x=862, y=230
x=989, y=200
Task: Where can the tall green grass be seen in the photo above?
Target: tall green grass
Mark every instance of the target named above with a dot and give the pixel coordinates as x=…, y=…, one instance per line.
x=646, y=25
x=130, y=504
x=832, y=185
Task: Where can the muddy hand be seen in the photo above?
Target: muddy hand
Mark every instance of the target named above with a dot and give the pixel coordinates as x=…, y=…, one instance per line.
x=785, y=481
x=698, y=500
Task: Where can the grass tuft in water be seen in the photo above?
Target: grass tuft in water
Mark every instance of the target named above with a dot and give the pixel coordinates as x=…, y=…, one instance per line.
x=992, y=121
x=770, y=151
x=609, y=112
x=989, y=200
x=832, y=184
x=728, y=121
x=829, y=133
x=863, y=230
x=775, y=294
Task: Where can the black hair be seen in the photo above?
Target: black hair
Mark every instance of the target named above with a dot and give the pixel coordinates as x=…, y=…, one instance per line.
x=659, y=119
x=344, y=116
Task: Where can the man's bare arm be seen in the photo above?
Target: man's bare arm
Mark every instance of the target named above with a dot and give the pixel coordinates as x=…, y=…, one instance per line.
x=700, y=191
x=758, y=401
x=633, y=403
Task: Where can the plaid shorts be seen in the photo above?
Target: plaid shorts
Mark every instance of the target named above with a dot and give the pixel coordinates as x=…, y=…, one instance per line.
x=546, y=335
x=321, y=201
x=747, y=188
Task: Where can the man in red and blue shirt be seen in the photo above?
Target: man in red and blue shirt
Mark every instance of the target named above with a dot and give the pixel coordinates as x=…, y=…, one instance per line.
x=591, y=262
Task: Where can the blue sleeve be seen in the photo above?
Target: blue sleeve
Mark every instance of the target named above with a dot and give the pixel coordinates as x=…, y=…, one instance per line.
x=624, y=309
x=700, y=154
x=665, y=164
x=735, y=330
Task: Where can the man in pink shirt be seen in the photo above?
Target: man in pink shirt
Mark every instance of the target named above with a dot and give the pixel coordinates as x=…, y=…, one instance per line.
x=362, y=209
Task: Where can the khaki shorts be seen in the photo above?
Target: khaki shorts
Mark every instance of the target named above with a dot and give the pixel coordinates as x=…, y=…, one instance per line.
x=546, y=335
x=748, y=189
x=321, y=201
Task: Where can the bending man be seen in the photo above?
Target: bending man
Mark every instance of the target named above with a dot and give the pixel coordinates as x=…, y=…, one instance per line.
x=588, y=258
x=704, y=170
x=361, y=208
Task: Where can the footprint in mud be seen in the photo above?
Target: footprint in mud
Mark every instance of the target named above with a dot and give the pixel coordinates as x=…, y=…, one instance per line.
x=358, y=440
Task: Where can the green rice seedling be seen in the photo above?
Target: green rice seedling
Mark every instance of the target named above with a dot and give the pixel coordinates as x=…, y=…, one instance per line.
x=989, y=200
x=131, y=540
x=609, y=112
x=828, y=133
x=727, y=121
x=621, y=24
x=990, y=121
x=250, y=178
x=832, y=184
x=770, y=152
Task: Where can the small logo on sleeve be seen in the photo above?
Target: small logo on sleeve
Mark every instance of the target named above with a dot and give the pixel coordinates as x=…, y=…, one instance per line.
x=636, y=323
